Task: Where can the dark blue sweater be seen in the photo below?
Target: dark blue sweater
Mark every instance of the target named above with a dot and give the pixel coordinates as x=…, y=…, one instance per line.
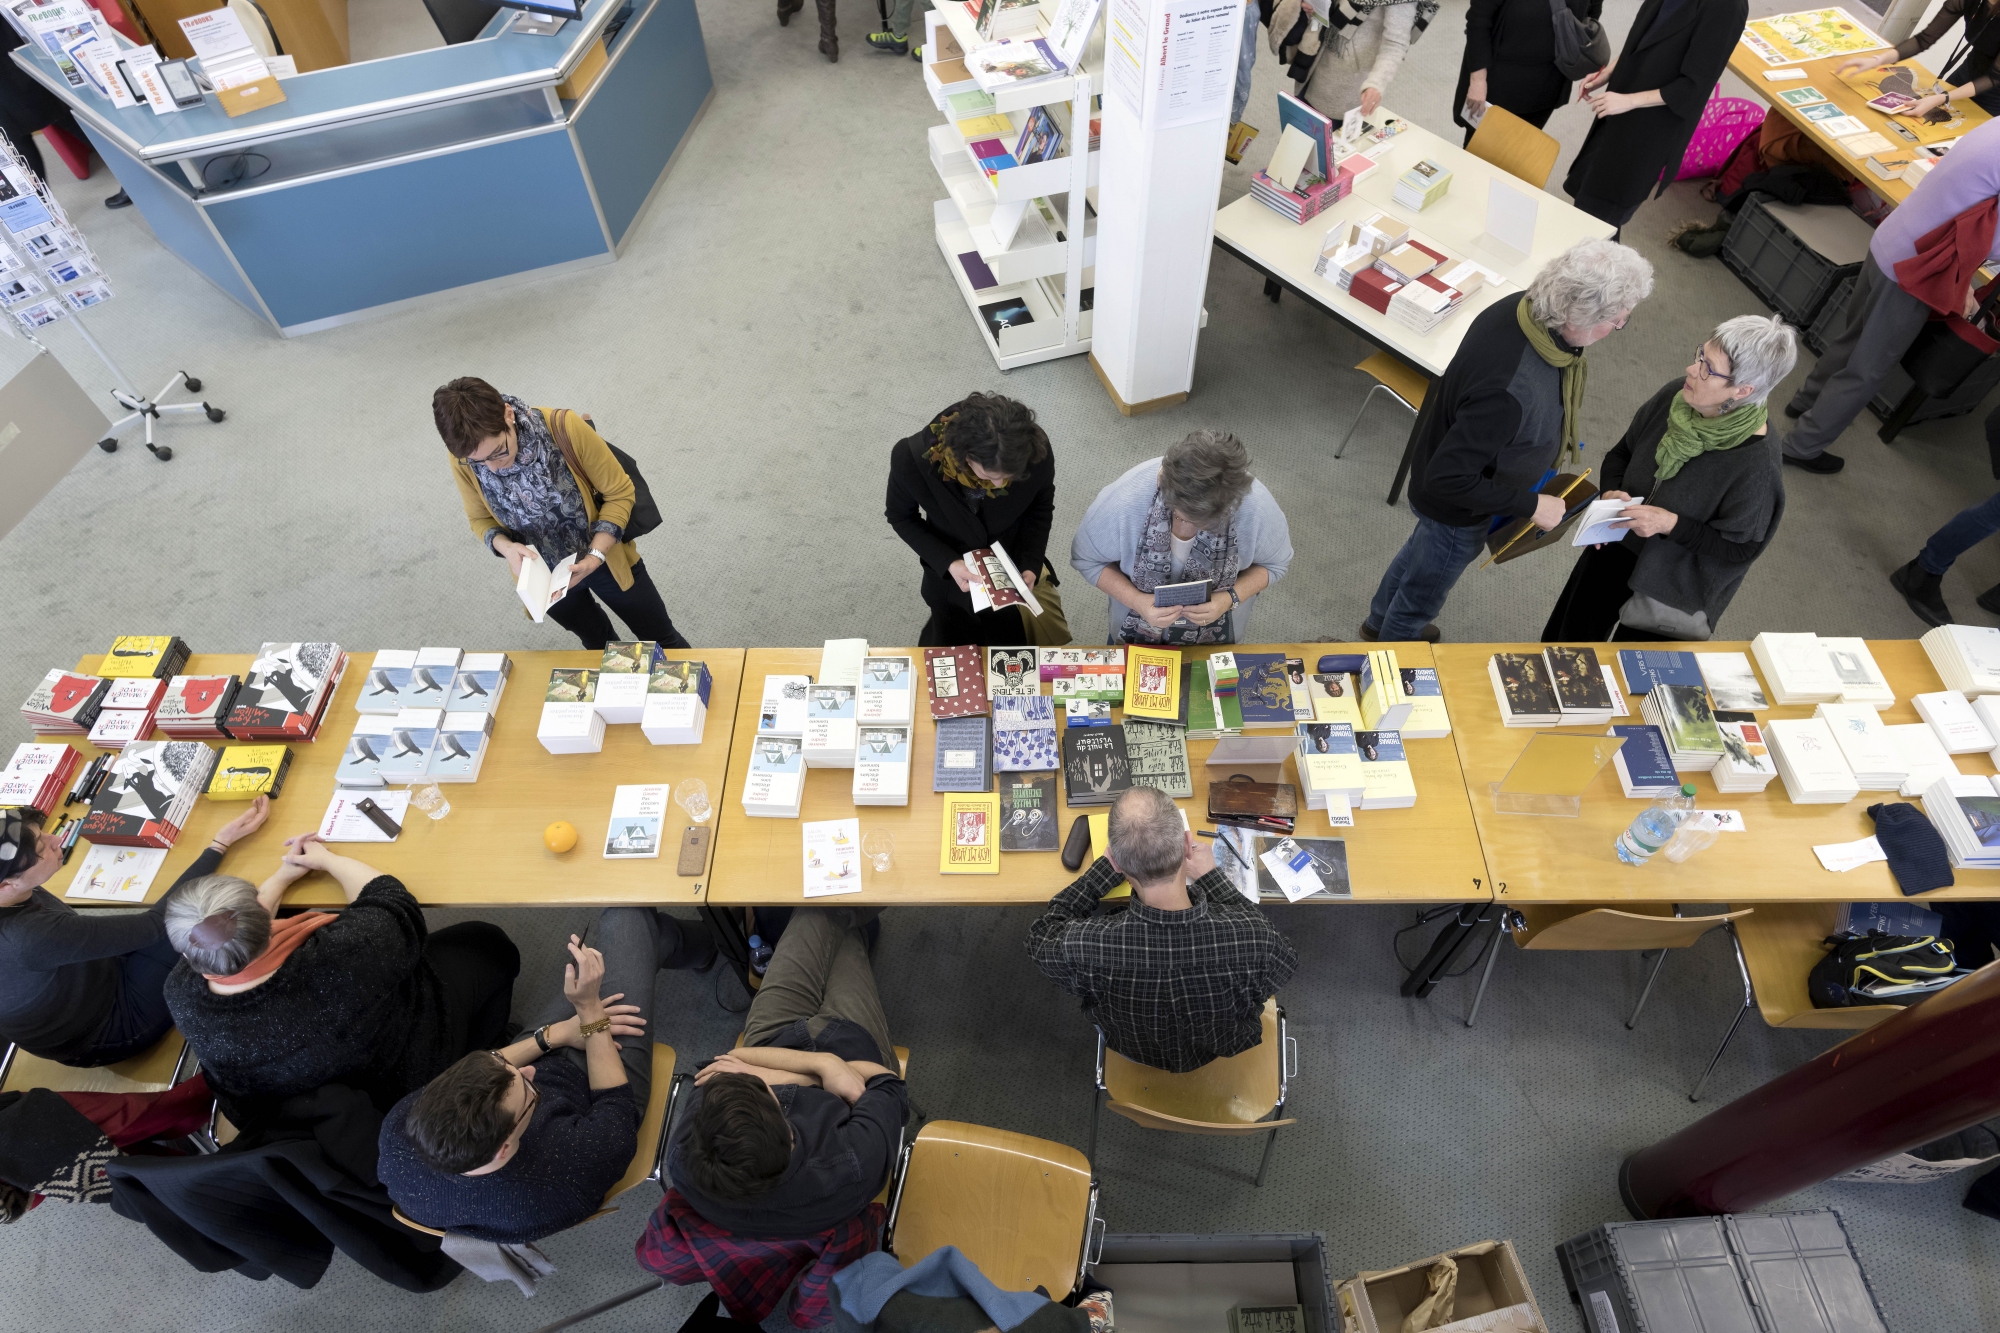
x=576, y=1147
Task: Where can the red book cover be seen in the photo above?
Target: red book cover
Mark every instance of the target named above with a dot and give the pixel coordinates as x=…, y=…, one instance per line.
x=1373, y=288
x=958, y=682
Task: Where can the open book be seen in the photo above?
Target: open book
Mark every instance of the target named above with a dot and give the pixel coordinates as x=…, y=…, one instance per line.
x=997, y=582
x=541, y=587
x=1595, y=528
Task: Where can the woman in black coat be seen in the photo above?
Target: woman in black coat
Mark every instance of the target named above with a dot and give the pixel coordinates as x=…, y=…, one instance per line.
x=981, y=472
x=1510, y=59
x=1649, y=102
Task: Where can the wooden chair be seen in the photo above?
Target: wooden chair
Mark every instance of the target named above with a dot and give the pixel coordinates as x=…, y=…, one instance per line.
x=1395, y=377
x=1775, y=950
x=158, y=1069
x=1021, y=1208
x=1230, y=1096
x=1649, y=928
x=1514, y=146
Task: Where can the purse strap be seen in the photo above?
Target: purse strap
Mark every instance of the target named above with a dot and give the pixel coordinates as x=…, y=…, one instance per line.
x=559, y=428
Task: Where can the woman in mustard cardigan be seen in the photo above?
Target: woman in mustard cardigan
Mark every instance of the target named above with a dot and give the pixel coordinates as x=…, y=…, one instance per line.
x=521, y=494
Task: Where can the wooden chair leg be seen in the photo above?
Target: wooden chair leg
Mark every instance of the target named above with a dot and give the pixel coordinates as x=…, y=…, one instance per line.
x=1651, y=977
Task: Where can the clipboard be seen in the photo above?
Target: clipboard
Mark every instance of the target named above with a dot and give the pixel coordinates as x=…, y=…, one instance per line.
x=1520, y=537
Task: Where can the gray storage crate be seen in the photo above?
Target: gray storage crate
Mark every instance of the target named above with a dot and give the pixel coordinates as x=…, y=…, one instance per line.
x=1820, y=330
x=1793, y=255
x=1750, y=1273
x=1204, y=1275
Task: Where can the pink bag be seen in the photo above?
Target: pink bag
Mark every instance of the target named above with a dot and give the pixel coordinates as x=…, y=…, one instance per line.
x=1725, y=123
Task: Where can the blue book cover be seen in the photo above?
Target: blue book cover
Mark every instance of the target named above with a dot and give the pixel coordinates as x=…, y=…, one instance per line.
x=1420, y=682
x=1645, y=668
x=1312, y=124
x=481, y=676
x=411, y=737
x=961, y=760
x=1264, y=690
x=1024, y=734
x=361, y=761
x=460, y=747
x=1643, y=759
x=430, y=679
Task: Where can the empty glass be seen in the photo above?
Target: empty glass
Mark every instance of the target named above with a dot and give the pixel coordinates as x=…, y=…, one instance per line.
x=430, y=799
x=879, y=848
x=692, y=796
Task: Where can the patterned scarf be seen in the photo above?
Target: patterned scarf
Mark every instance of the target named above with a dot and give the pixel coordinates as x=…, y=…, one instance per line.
x=537, y=498
x=954, y=469
x=1212, y=557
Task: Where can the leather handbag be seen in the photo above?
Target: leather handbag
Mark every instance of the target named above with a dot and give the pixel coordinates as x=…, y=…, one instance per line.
x=1248, y=803
x=645, y=514
x=1946, y=351
x=1582, y=45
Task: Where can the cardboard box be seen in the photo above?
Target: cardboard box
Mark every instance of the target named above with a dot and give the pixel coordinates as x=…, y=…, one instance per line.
x=1490, y=1277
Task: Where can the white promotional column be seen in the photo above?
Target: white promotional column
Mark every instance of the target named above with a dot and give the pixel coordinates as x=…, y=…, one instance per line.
x=1169, y=74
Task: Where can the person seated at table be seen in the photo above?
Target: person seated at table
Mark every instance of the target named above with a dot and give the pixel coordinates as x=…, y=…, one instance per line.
x=1180, y=977
x=80, y=988
x=506, y=1146
x=1698, y=453
x=1195, y=514
x=369, y=997
x=1970, y=80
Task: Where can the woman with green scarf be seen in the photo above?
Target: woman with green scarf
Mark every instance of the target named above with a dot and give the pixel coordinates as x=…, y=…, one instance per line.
x=1708, y=489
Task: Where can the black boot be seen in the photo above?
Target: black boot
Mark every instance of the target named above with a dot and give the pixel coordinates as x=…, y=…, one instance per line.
x=829, y=39
x=1920, y=589
x=1990, y=599
x=787, y=8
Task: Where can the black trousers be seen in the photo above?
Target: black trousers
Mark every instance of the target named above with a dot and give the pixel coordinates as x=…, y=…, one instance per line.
x=139, y=1018
x=477, y=964
x=639, y=606
x=1587, y=610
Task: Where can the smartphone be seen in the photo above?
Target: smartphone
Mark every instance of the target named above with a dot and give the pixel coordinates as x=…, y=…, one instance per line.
x=180, y=83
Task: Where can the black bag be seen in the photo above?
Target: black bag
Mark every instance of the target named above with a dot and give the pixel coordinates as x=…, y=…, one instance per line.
x=1881, y=969
x=1582, y=45
x=1946, y=351
x=645, y=514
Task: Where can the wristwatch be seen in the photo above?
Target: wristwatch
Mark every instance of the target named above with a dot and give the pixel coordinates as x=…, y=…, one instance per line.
x=542, y=1038
x=1234, y=600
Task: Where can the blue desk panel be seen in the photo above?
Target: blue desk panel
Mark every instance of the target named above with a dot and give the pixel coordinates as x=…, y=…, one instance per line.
x=174, y=217
x=348, y=243
x=641, y=108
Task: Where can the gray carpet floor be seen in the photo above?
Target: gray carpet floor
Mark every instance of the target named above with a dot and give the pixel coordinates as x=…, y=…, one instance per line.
x=759, y=357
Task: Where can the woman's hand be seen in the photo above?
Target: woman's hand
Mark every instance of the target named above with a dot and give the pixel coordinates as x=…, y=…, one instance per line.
x=1862, y=64
x=1475, y=92
x=1210, y=611
x=1028, y=577
x=307, y=852
x=1595, y=81
x=515, y=552
x=1613, y=495
x=585, y=566
x=961, y=575
x=1647, y=520
x=1370, y=99
x=1923, y=106
x=246, y=823
x=1614, y=104
x=581, y=979
x=1159, y=617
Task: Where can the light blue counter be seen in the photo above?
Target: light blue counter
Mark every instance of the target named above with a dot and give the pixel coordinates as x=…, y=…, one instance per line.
x=393, y=179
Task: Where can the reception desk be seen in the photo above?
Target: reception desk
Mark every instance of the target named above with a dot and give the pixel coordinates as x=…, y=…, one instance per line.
x=380, y=183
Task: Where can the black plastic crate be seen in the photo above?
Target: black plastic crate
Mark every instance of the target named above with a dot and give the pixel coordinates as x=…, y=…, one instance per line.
x=1792, y=278
x=1821, y=329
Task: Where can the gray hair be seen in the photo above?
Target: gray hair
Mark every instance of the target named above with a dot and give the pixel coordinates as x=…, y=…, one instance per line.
x=217, y=924
x=1206, y=476
x=1589, y=283
x=1148, y=842
x=1761, y=352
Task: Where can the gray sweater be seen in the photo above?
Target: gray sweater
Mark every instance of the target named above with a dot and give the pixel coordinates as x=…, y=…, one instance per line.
x=1728, y=501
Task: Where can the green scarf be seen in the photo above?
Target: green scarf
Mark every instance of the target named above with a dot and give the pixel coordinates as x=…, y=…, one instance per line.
x=1690, y=434
x=1573, y=367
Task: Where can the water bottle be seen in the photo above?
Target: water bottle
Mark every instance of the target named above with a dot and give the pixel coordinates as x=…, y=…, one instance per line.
x=760, y=954
x=1654, y=827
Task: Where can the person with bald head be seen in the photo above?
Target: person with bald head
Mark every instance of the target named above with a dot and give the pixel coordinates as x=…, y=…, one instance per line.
x=369, y=997
x=1180, y=977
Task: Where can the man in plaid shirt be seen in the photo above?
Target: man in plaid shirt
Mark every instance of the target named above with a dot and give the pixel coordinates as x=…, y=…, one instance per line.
x=1180, y=977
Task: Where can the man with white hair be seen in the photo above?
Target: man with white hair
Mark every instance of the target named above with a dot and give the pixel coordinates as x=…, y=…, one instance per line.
x=1507, y=410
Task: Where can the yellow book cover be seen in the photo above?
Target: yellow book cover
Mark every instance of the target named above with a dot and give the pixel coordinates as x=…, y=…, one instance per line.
x=971, y=842
x=136, y=655
x=1333, y=698
x=1153, y=683
x=1100, y=838
x=245, y=771
x=1379, y=689
x=986, y=127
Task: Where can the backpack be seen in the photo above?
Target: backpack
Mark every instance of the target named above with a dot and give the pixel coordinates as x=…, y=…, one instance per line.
x=1881, y=969
x=645, y=514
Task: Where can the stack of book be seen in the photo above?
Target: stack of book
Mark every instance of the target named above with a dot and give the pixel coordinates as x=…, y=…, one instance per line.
x=1024, y=734
x=1209, y=717
x=1643, y=668
x=958, y=682
x=286, y=692
x=432, y=676
x=360, y=763
x=1329, y=764
x=1645, y=768
x=413, y=734
x=1096, y=767
x=151, y=791
x=64, y=704
x=459, y=751
x=1424, y=303
x=1866, y=745
x=775, y=784
x=840, y=661
x=245, y=772
x=1922, y=754
x=1335, y=696
x=677, y=703
x=965, y=755
x=1746, y=764
x=1731, y=683
x=154, y=656
x=194, y=707
x=1522, y=688
x=886, y=691
x=1809, y=761
x=482, y=679
x=1264, y=691
x=1682, y=714
x=1796, y=667
x=1012, y=671
x=1861, y=681
x=1422, y=185
x=1084, y=673
x=882, y=765
x=1427, y=719
x=388, y=676
x=570, y=722
x=1386, y=783
x=1313, y=195
x=1950, y=715
x=1153, y=683
x=1582, y=694
x=1967, y=657
x=1157, y=752
x=127, y=712
x=829, y=738
x=1383, y=707
x=38, y=776
x=1966, y=813
x=782, y=709
x=624, y=676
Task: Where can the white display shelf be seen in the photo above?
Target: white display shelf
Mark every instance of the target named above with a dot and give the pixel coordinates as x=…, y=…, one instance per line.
x=1047, y=338
x=1035, y=252
x=952, y=14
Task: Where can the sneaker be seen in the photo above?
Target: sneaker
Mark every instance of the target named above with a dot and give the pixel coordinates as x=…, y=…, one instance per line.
x=1240, y=135
x=889, y=43
x=917, y=52
x=1820, y=463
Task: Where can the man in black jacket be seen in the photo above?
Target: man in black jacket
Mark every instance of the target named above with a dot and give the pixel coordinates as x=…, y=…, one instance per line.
x=1504, y=413
x=981, y=472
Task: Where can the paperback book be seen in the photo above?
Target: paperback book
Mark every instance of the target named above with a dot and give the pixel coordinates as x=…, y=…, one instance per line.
x=1683, y=715
x=152, y=656
x=1029, y=821
x=1024, y=734
x=1745, y=765
x=1643, y=668
x=1427, y=719
x=1731, y=683
x=482, y=679
x=677, y=703
x=431, y=678
x=997, y=581
x=1522, y=688
x=1386, y=782
x=65, y=704
x=960, y=762
x=1096, y=767
x=1329, y=764
x=1153, y=683
x=958, y=681
x=195, y=707
x=149, y=795
x=1012, y=671
x=286, y=691
x=245, y=772
x=970, y=844
x=624, y=676
x=1084, y=673
x=832, y=851
x=1581, y=694
x=38, y=777
x=638, y=818
x=1157, y=755
x=1264, y=692
x=387, y=677
x=1383, y=706
x=1086, y=713
x=410, y=741
x=882, y=766
x=830, y=734
x=361, y=762
x=775, y=783
x=782, y=711
x=885, y=691
x=460, y=749
x=569, y=723
x=1645, y=769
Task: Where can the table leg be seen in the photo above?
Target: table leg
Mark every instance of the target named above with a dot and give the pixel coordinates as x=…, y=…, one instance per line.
x=1272, y=290
x=1446, y=948
x=727, y=926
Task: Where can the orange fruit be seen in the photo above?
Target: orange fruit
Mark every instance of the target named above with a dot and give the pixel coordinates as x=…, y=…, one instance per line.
x=560, y=836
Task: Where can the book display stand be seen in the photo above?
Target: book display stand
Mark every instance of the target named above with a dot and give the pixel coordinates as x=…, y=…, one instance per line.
x=1552, y=774
x=1007, y=235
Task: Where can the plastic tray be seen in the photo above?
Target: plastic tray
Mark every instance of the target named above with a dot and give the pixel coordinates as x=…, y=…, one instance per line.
x=1791, y=277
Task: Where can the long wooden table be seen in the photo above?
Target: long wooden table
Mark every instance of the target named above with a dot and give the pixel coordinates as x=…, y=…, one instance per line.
x=1543, y=859
x=1428, y=852
x=488, y=850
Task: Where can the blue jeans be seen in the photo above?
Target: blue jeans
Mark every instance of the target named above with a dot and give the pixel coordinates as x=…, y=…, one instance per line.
x=1246, y=62
x=1421, y=577
x=1970, y=527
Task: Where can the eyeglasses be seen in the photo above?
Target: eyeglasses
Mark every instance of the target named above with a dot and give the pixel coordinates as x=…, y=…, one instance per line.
x=494, y=460
x=534, y=1097
x=1709, y=372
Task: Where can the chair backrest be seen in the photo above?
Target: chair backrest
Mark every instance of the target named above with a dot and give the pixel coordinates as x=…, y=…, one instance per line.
x=1227, y=1096
x=1398, y=377
x=1650, y=927
x=652, y=1126
x=1019, y=1207
x=1780, y=945
x=1514, y=146
x=154, y=1070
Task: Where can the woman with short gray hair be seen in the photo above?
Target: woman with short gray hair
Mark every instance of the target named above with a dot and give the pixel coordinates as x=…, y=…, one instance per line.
x=1182, y=544
x=1707, y=492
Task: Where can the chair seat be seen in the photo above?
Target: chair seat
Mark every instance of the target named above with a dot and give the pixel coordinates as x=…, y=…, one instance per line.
x=1017, y=1206
x=1230, y=1095
x=1641, y=926
x=1398, y=377
x=647, y=1151
x=1780, y=945
x=151, y=1071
